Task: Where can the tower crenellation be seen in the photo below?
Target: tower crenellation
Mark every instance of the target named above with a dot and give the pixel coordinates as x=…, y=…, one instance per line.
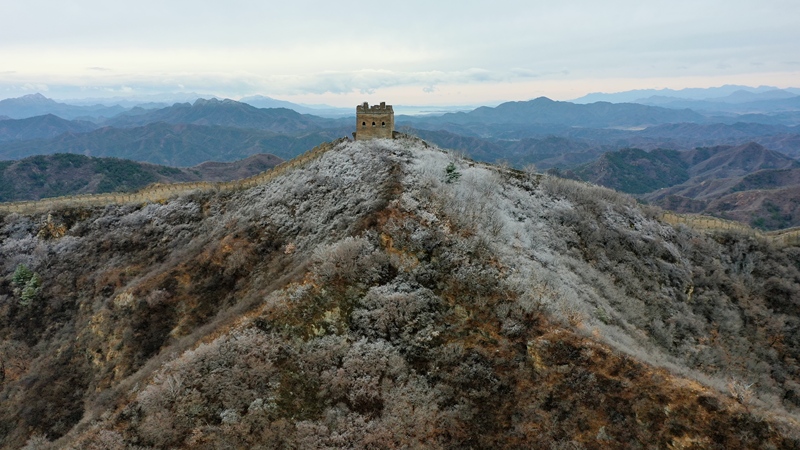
x=374, y=122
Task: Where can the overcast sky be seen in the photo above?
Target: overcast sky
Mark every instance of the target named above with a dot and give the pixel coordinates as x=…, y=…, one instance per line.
x=405, y=52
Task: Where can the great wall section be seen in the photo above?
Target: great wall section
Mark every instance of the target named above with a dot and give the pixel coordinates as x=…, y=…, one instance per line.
x=162, y=192
x=787, y=237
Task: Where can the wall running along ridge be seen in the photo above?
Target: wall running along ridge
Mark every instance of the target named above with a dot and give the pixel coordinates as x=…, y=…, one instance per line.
x=790, y=236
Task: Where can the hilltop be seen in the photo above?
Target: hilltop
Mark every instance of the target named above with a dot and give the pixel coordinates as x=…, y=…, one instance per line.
x=369, y=300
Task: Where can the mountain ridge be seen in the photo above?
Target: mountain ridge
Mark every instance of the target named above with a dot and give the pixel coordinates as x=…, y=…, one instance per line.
x=228, y=113
x=177, y=145
x=686, y=93
x=365, y=300
x=712, y=180
x=542, y=110
x=37, y=104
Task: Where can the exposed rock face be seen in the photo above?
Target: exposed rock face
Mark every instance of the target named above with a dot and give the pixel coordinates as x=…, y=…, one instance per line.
x=363, y=301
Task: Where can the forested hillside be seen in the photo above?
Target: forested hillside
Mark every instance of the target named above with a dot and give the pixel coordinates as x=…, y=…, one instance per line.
x=748, y=183
x=46, y=176
x=391, y=295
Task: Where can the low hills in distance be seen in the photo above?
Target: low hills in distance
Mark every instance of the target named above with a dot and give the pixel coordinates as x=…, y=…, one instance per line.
x=44, y=176
x=747, y=183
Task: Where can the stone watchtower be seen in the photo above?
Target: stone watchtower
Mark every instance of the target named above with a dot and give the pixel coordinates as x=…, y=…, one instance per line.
x=374, y=122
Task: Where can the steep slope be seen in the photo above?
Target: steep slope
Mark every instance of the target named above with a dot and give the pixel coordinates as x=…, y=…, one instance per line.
x=61, y=174
x=728, y=162
x=636, y=171
x=367, y=300
x=766, y=209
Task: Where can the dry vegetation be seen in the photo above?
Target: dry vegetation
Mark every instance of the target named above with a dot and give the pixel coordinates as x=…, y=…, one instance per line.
x=370, y=299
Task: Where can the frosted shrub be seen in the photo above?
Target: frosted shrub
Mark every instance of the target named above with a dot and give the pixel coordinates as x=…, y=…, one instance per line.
x=351, y=259
x=405, y=316
x=230, y=416
x=363, y=369
x=37, y=442
x=471, y=202
x=741, y=391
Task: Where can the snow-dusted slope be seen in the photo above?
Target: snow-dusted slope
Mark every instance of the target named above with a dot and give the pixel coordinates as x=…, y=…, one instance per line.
x=392, y=295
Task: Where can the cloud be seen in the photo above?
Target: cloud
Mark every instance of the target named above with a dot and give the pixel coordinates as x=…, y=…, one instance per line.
x=509, y=46
x=368, y=81
x=525, y=73
x=35, y=87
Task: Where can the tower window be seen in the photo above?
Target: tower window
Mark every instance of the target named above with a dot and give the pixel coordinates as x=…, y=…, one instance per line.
x=373, y=124
x=363, y=124
x=383, y=124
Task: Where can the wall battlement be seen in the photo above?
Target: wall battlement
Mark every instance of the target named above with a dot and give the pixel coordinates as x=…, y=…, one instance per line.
x=374, y=122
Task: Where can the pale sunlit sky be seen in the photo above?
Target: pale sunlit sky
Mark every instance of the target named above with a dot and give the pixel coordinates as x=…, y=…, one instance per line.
x=407, y=52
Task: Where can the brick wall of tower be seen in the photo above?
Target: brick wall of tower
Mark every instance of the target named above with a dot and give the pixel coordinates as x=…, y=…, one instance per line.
x=374, y=122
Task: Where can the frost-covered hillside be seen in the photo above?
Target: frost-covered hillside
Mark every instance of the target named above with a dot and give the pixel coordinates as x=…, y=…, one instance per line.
x=392, y=295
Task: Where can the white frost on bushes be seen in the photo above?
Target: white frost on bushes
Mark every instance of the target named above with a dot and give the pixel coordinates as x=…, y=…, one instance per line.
x=522, y=219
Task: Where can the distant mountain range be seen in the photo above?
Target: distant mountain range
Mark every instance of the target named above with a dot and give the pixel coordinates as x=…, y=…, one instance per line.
x=764, y=104
x=598, y=137
x=44, y=176
x=541, y=131
x=178, y=145
x=632, y=96
x=260, y=101
x=38, y=105
x=545, y=111
x=741, y=102
x=228, y=113
x=567, y=147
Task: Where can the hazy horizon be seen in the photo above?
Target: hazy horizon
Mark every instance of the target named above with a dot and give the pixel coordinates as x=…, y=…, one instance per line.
x=312, y=52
